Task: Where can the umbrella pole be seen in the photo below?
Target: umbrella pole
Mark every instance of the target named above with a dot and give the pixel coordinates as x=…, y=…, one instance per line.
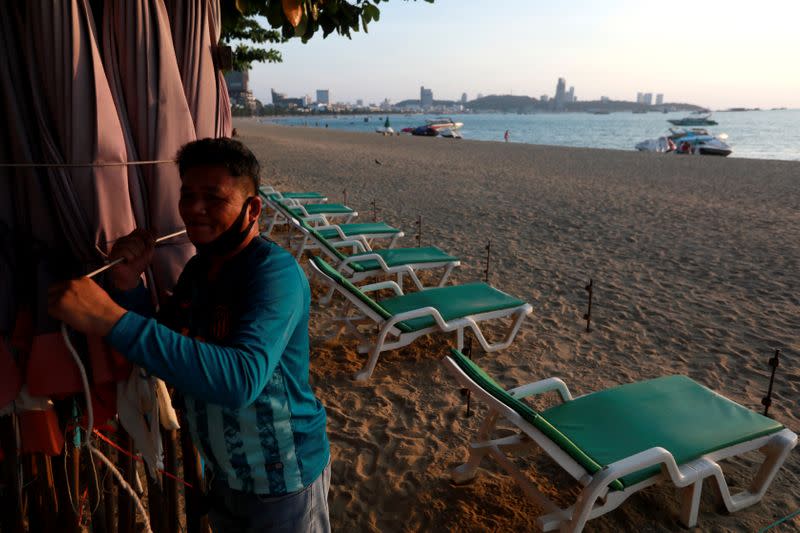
x=76, y=487
x=65, y=517
x=196, y=522
x=51, y=497
x=171, y=461
x=126, y=511
x=37, y=513
x=43, y=506
x=11, y=515
x=109, y=501
x=155, y=503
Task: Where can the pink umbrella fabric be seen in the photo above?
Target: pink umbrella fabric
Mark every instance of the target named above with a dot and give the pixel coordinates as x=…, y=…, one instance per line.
x=140, y=61
x=195, y=34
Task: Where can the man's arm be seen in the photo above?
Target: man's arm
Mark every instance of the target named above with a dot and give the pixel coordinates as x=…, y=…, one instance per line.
x=232, y=375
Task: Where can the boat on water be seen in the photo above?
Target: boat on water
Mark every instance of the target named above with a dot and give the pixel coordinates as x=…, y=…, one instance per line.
x=442, y=123
x=697, y=118
x=443, y=126
x=688, y=141
x=423, y=131
x=452, y=134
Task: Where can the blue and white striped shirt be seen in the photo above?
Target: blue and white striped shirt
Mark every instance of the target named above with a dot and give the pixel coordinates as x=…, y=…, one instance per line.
x=238, y=351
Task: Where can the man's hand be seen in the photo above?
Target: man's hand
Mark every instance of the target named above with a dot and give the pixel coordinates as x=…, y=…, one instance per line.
x=137, y=250
x=84, y=306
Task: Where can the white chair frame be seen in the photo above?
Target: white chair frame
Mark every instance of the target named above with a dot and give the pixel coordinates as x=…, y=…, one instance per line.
x=596, y=498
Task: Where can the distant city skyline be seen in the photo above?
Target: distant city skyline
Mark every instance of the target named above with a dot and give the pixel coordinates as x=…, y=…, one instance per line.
x=739, y=55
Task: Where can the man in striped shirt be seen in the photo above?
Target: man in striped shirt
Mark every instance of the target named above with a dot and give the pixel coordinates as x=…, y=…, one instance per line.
x=233, y=340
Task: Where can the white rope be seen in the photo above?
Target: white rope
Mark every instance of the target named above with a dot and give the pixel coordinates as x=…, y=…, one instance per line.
x=124, y=484
x=121, y=259
x=84, y=165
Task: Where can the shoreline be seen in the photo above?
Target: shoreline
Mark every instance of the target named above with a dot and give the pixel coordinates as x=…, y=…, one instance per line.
x=695, y=265
x=753, y=151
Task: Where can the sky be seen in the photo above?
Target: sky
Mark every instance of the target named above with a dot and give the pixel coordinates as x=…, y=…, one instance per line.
x=717, y=54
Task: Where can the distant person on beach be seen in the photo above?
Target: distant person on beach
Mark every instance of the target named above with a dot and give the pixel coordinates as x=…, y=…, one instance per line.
x=233, y=340
x=506, y=135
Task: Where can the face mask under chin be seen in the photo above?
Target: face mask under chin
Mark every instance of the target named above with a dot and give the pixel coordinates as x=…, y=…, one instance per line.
x=231, y=238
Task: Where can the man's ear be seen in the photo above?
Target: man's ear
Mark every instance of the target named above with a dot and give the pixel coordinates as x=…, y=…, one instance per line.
x=254, y=209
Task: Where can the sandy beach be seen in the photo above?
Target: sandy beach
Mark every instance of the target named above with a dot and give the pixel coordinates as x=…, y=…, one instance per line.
x=695, y=265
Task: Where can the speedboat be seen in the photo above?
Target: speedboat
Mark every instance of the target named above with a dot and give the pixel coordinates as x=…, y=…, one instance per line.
x=442, y=123
x=447, y=132
x=424, y=131
x=694, y=119
x=700, y=141
x=691, y=141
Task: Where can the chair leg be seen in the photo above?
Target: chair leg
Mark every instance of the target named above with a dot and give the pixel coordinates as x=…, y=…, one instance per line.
x=366, y=372
x=690, y=503
x=466, y=472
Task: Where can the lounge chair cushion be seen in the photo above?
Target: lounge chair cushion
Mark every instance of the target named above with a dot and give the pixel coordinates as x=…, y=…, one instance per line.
x=316, y=209
x=369, y=228
x=673, y=412
x=401, y=256
x=456, y=301
x=297, y=196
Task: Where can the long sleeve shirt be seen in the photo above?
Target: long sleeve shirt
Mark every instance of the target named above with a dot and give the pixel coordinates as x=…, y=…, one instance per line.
x=237, y=349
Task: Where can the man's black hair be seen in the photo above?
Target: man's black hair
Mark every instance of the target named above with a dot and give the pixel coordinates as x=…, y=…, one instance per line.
x=221, y=152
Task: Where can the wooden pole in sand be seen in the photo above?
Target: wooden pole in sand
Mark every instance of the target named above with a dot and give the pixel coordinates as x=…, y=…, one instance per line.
x=374, y=211
x=419, y=231
x=588, y=315
x=344, y=193
x=488, y=259
x=773, y=362
x=466, y=392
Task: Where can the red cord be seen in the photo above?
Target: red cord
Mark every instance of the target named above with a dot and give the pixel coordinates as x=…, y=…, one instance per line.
x=137, y=458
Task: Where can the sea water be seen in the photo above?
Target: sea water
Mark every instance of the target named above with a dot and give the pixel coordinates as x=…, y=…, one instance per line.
x=752, y=134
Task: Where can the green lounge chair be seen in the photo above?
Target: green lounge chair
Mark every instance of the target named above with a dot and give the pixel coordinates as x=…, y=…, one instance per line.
x=317, y=211
x=366, y=232
x=269, y=192
x=405, y=317
x=364, y=262
x=621, y=440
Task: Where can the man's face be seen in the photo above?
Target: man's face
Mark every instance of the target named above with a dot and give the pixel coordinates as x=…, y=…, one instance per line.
x=211, y=200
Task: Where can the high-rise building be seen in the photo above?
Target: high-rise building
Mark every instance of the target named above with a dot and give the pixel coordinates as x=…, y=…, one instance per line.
x=238, y=90
x=323, y=96
x=561, y=87
x=281, y=100
x=463, y=98
x=605, y=99
x=425, y=97
x=659, y=99
x=639, y=98
x=647, y=99
x=360, y=102
x=571, y=95
x=544, y=98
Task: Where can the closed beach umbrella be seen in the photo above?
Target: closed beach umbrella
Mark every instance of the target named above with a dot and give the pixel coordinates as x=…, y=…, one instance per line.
x=195, y=28
x=140, y=61
x=68, y=215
